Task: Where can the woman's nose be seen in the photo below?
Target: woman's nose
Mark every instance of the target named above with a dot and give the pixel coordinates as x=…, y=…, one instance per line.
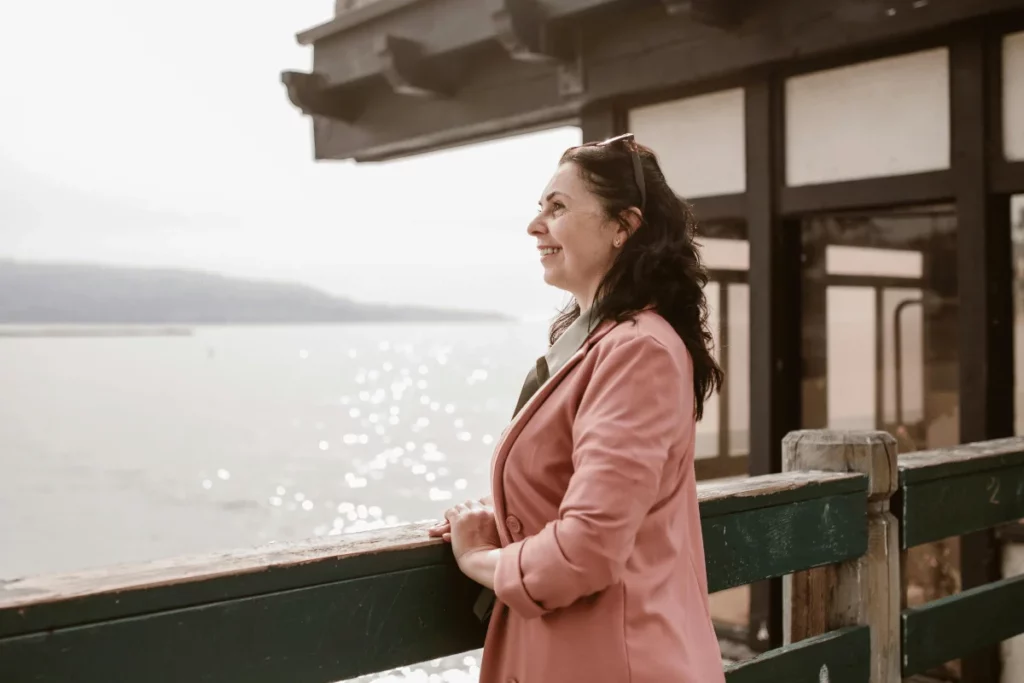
x=536, y=227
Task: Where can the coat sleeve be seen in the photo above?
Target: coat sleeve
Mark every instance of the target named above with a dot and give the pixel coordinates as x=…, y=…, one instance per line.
x=638, y=401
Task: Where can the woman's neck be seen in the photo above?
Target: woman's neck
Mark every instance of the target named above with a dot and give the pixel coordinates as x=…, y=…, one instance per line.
x=585, y=302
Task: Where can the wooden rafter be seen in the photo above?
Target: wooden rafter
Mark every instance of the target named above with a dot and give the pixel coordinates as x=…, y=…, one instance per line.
x=522, y=28
x=718, y=13
x=408, y=72
x=309, y=92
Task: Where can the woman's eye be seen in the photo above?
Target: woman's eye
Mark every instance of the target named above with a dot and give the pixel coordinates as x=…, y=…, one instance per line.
x=558, y=206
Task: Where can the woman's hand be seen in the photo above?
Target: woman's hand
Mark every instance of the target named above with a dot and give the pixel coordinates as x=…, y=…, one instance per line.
x=473, y=534
x=472, y=528
x=443, y=528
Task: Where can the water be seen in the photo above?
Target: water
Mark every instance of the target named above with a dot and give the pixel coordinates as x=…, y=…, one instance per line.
x=129, y=449
x=126, y=449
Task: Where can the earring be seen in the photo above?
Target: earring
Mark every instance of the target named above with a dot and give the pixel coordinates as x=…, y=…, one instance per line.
x=618, y=243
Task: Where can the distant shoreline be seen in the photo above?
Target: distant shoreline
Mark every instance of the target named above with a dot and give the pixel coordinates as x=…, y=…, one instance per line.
x=113, y=330
x=23, y=331
x=38, y=295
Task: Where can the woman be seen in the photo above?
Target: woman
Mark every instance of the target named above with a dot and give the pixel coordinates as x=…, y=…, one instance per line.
x=592, y=541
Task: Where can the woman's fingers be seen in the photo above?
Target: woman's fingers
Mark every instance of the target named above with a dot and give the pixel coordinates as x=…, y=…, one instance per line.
x=447, y=538
x=444, y=527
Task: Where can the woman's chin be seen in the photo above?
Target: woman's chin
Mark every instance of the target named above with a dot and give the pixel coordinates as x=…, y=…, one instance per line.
x=551, y=277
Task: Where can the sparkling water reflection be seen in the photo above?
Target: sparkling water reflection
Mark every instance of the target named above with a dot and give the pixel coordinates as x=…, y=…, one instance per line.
x=128, y=449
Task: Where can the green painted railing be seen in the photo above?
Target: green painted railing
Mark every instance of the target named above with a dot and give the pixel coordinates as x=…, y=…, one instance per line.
x=328, y=610
x=953, y=492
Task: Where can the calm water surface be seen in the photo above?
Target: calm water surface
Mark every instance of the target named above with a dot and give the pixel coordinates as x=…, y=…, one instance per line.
x=128, y=449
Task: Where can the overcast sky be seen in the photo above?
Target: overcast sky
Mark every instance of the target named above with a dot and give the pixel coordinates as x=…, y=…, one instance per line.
x=145, y=133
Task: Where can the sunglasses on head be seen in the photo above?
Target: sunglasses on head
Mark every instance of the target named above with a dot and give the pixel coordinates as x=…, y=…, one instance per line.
x=638, y=169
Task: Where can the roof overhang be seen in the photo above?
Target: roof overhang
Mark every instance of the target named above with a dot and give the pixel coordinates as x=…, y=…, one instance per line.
x=399, y=77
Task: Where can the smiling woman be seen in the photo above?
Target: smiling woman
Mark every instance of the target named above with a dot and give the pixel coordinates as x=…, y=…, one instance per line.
x=592, y=540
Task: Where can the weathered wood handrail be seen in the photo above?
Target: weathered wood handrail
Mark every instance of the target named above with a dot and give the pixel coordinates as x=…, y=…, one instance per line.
x=954, y=491
x=951, y=492
x=957, y=625
x=739, y=508
x=332, y=609
x=335, y=608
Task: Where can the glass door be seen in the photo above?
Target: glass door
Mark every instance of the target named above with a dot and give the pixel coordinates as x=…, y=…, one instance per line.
x=879, y=315
x=723, y=436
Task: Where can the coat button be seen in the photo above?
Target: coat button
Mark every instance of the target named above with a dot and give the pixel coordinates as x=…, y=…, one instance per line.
x=513, y=524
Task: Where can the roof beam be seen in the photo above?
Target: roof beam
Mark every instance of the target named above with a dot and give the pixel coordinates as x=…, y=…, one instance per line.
x=722, y=14
x=522, y=28
x=525, y=30
x=309, y=93
x=343, y=47
x=409, y=73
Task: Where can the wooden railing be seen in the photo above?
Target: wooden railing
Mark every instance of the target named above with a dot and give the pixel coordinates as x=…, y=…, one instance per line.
x=330, y=610
x=950, y=493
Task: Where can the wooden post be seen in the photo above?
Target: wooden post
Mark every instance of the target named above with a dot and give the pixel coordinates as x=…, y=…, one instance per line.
x=985, y=282
x=861, y=591
x=774, y=285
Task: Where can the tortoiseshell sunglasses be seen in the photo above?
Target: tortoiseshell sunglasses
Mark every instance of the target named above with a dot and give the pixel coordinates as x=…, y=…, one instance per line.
x=634, y=152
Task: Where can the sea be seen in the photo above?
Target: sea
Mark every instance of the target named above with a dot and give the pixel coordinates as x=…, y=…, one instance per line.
x=121, y=449
x=126, y=449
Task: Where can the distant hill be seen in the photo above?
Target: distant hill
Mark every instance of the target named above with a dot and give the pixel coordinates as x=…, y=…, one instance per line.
x=45, y=293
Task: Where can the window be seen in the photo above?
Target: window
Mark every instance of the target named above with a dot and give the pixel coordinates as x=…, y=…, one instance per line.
x=723, y=439
x=879, y=324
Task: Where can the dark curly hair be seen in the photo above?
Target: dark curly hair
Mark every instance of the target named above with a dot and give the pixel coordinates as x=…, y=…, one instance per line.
x=660, y=263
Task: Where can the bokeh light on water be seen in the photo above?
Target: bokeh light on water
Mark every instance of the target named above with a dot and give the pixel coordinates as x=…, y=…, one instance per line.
x=132, y=449
x=129, y=449
x=464, y=668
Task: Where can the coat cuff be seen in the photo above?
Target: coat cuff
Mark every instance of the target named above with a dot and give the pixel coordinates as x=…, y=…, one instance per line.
x=509, y=586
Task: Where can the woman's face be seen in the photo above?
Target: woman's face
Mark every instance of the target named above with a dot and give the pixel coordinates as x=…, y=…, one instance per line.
x=576, y=241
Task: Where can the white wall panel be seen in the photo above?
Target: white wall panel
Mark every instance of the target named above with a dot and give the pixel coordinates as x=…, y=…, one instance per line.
x=1013, y=96
x=874, y=119
x=699, y=142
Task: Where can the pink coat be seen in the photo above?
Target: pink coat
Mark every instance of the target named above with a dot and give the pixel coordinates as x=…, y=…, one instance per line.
x=601, y=576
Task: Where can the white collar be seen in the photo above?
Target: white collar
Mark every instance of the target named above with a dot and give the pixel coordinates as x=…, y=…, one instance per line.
x=566, y=346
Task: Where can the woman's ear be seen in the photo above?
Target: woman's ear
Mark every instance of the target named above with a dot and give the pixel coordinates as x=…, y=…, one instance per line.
x=630, y=221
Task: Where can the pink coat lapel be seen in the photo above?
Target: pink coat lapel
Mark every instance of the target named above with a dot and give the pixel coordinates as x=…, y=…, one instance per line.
x=515, y=428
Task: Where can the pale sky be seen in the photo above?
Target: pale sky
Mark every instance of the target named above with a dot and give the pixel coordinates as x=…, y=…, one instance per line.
x=142, y=133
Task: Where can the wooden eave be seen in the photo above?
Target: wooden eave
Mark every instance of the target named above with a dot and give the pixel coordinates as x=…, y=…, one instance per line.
x=401, y=77
x=343, y=47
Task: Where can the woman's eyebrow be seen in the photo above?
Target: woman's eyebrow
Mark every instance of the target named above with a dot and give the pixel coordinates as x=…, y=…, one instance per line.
x=551, y=196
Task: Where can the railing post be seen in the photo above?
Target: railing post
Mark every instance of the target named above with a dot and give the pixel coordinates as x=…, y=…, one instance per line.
x=861, y=591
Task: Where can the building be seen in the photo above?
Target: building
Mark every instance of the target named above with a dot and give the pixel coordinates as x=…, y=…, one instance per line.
x=853, y=164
